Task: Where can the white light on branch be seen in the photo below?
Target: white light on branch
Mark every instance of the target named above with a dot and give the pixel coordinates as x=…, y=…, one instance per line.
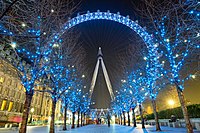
x=13, y=44
x=23, y=25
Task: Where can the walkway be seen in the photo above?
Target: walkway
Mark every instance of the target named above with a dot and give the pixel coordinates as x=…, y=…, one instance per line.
x=101, y=129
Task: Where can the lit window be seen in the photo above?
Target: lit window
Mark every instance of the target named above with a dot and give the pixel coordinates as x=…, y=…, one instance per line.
x=23, y=97
x=3, y=105
x=1, y=79
x=11, y=94
x=16, y=106
x=15, y=84
x=6, y=92
x=24, y=89
x=21, y=108
x=10, y=106
x=20, y=87
x=1, y=88
x=19, y=95
x=9, y=82
x=35, y=101
x=16, y=92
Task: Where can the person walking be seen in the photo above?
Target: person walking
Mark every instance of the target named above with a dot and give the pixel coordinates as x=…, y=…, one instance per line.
x=108, y=118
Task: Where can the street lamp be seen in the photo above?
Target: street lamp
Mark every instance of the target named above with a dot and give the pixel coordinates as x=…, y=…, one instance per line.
x=171, y=103
x=193, y=76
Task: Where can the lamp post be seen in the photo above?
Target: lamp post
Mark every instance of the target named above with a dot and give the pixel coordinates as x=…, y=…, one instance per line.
x=32, y=110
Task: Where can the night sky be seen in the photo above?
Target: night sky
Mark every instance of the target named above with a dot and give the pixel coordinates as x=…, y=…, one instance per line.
x=115, y=40
x=123, y=6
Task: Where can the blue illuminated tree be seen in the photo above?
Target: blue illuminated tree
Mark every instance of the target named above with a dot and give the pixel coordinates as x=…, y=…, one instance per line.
x=75, y=100
x=80, y=97
x=148, y=82
x=124, y=107
x=83, y=104
x=65, y=102
x=116, y=106
x=137, y=84
x=134, y=105
x=30, y=65
x=59, y=82
x=84, y=107
x=26, y=28
x=155, y=80
x=119, y=107
x=127, y=100
x=73, y=107
x=61, y=76
x=124, y=102
x=175, y=27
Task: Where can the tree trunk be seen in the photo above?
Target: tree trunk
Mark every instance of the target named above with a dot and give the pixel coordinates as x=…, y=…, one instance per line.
x=81, y=119
x=118, y=119
x=65, y=118
x=155, y=115
x=184, y=109
x=52, y=123
x=124, y=118
x=85, y=117
x=25, y=114
x=73, y=118
x=141, y=115
x=78, y=118
x=134, y=120
x=129, y=123
x=108, y=120
x=121, y=119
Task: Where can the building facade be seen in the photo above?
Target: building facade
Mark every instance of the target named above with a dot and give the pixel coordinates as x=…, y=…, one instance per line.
x=12, y=98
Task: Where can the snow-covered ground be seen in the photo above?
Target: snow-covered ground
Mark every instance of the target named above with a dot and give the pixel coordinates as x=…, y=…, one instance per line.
x=99, y=129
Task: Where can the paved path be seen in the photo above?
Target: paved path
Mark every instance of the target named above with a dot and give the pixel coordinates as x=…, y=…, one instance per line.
x=101, y=129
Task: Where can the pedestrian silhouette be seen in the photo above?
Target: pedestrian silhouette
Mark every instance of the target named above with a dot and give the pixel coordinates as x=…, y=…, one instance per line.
x=108, y=118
